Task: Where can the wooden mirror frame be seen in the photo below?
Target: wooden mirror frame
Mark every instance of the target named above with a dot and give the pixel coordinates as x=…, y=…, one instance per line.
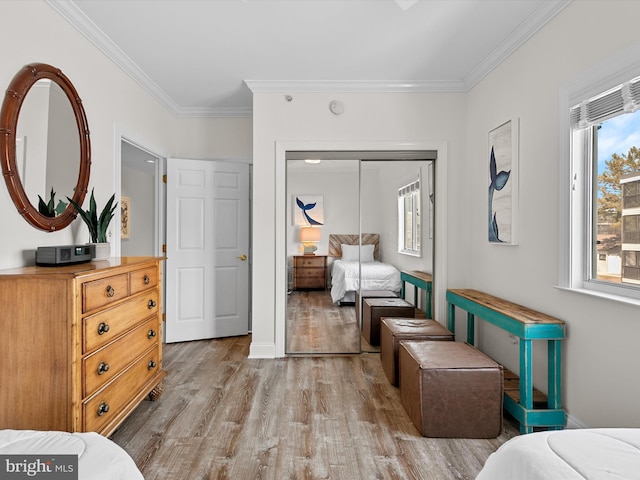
x=14, y=97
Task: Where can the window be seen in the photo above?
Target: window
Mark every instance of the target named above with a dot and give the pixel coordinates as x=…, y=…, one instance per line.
x=604, y=203
x=409, y=224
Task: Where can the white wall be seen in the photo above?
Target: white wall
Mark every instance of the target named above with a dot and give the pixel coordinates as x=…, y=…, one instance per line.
x=213, y=138
x=600, y=355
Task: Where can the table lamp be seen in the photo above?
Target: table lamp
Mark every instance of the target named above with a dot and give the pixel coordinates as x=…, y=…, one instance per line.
x=309, y=236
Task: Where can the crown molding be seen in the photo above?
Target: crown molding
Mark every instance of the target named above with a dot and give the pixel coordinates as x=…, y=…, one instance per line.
x=519, y=36
x=355, y=86
x=214, y=112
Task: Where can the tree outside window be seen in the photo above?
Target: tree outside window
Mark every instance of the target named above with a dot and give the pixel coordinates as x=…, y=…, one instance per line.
x=618, y=177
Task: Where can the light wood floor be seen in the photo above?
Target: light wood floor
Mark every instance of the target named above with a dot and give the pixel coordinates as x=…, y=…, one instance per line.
x=223, y=416
x=316, y=325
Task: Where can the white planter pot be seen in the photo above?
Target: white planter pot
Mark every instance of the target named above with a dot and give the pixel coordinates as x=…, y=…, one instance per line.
x=102, y=250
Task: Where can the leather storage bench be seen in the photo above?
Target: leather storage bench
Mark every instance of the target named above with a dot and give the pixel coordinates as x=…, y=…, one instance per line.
x=451, y=389
x=373, y=309
x=371, y=294
x=394, y=330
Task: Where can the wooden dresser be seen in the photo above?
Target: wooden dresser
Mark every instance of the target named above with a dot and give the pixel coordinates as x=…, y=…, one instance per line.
x=81, y=345
x=309, y=271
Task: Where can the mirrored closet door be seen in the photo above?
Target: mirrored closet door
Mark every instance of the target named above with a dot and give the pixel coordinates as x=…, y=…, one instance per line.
x=329, y=204
x=322, y=199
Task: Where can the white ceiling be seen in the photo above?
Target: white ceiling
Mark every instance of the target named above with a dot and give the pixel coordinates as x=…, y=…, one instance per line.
x=199, y=57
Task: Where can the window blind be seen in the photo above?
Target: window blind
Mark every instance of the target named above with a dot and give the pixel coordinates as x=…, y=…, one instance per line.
x=624, y=98
x=409, y=189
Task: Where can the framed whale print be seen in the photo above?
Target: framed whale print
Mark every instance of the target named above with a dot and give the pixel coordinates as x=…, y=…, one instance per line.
x=308, y=210
x=503, y=159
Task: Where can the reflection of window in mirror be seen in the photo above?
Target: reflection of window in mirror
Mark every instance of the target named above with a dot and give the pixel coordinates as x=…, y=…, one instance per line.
x=409, y=219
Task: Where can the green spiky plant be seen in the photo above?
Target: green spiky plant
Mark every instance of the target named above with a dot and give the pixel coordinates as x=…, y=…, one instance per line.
x=50, y=209
x=97, y=225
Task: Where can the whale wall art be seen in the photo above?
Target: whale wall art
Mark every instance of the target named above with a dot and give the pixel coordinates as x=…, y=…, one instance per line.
x=503, y=184
x=308, y=209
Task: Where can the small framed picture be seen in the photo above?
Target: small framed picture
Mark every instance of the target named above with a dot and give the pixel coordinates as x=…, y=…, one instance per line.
x=125, y=216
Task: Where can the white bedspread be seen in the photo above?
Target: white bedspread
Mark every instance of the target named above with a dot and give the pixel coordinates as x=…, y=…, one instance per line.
x=98, y=457
x=591, y=454
x=345, y=277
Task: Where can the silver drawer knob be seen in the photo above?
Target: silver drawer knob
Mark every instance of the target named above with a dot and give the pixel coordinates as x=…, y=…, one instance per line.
x=103, y=368
x=103, y=328
x=103, y=408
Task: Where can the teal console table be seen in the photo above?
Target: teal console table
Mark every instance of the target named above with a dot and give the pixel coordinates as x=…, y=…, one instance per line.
x=527, y=325
x=421, y=280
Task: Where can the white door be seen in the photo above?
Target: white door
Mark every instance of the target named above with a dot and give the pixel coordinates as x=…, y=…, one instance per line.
x=207, y=278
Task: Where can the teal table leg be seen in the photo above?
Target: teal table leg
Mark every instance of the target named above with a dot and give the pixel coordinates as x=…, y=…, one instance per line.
x=555, y=375
x=428, y=309
x=526, y=384
x=451, y=318
x=471, y=328
x=554, y=397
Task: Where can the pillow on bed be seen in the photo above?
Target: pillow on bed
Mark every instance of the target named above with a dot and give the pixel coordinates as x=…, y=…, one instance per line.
x=366, y=254
x=350, y=253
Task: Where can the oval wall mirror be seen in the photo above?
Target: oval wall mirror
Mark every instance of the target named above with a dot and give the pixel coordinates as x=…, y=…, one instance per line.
x=44, y=146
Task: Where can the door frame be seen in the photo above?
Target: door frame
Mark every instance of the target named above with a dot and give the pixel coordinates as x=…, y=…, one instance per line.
x=440, y=236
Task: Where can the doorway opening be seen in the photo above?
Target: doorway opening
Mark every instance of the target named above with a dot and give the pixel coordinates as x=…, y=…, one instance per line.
x=139, y=217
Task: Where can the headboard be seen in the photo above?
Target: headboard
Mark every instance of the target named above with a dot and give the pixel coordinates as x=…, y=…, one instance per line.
x=336, y=240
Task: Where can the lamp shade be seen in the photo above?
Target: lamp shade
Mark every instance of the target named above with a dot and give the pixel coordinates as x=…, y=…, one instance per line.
x=310, y=234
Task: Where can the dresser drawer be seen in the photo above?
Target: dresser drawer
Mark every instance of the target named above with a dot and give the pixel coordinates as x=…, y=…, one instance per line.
x=309, y=261
x=143, y=279
x=106, y=404
x=101, y=366
x=309, y=273
x=310, y=282
x=101, y=328
x=102, y=292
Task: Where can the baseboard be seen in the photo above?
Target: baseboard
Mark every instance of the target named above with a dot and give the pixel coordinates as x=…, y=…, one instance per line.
x=262, y=350
x=574, y=423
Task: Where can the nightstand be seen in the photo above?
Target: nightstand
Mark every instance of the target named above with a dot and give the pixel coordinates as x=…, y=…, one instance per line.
x=309, y=271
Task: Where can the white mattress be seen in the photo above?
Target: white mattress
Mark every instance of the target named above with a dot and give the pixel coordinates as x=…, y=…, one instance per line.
x=345, y=277
x=98, y=457
x=591, y=454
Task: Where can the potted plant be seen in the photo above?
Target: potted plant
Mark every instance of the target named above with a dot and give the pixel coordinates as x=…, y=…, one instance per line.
x=97, y=225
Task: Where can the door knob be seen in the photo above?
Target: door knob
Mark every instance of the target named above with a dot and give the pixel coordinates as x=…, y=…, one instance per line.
x=242, y=257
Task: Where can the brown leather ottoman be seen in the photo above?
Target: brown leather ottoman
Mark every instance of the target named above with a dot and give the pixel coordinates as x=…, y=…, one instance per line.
x=393, y=330
x=451, y=389
x=373, y=309
x=371, y=294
